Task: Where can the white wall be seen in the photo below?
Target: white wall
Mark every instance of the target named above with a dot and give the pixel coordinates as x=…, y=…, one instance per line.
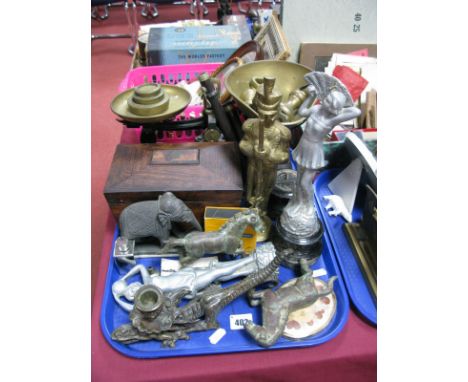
x=328, y=21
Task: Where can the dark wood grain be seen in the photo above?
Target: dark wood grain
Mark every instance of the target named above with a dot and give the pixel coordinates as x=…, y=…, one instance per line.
x=215, y=180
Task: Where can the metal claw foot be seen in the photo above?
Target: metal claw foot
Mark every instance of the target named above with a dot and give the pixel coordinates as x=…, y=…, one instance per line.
x=105, y=15
x=194, y=5
x=149, y=11
x=96, y=15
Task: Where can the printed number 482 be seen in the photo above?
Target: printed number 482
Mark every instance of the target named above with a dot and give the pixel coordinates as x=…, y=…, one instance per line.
x=241, y=321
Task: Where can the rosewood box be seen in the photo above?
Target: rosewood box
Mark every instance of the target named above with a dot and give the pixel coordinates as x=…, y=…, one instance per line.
x=200, y=174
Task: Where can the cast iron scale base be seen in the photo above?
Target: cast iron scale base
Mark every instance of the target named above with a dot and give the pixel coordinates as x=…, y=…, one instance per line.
x=149, y=130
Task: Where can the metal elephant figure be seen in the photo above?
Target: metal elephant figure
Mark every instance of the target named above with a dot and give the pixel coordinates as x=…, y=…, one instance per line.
x=156, y=218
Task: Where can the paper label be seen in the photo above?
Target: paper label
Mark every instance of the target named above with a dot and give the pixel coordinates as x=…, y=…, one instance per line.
x=237, y=321
x=319, y=272
x=169, y=266
x=217, y=335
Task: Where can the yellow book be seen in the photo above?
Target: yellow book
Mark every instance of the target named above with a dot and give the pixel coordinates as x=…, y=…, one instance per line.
x=215, y=217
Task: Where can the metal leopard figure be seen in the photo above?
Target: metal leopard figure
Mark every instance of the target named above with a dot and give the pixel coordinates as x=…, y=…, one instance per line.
x=277, y=305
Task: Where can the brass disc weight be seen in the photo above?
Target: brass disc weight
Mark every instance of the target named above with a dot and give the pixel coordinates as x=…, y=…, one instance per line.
x=150, y=103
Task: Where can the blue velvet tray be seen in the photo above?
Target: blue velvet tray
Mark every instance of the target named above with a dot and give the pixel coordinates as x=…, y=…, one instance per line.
x=352, y=275
x=112, y=316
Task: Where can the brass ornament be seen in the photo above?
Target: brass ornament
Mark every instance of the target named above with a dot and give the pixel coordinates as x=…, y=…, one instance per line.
x=278, y=306
x=150, y=102
x=249, y=94
x=242, y=82
x=289, y=109
x=265, y=143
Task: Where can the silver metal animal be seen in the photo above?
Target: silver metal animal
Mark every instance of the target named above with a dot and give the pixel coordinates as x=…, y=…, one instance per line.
x=193, y=279
x=158, y=316
x=228, y=239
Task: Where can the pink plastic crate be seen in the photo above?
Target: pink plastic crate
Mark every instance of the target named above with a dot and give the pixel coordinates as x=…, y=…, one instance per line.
x=166, y=74
x=170, y=74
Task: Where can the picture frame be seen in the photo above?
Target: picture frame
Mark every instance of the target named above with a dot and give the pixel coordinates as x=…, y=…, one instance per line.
x=272, y=40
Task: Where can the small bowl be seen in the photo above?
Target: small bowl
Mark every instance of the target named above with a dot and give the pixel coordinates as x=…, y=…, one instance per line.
x=289, y=77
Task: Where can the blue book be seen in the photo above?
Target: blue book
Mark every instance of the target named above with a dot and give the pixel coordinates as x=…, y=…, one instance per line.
x=187, y=45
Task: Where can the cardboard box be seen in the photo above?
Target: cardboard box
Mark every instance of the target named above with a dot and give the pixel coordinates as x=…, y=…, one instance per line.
x=316, y=56
x=215, y=217
x=241, y=22
x=328, y=21
x=185, y=45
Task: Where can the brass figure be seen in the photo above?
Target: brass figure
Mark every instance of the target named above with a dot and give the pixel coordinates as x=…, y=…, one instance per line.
x=265, y=144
